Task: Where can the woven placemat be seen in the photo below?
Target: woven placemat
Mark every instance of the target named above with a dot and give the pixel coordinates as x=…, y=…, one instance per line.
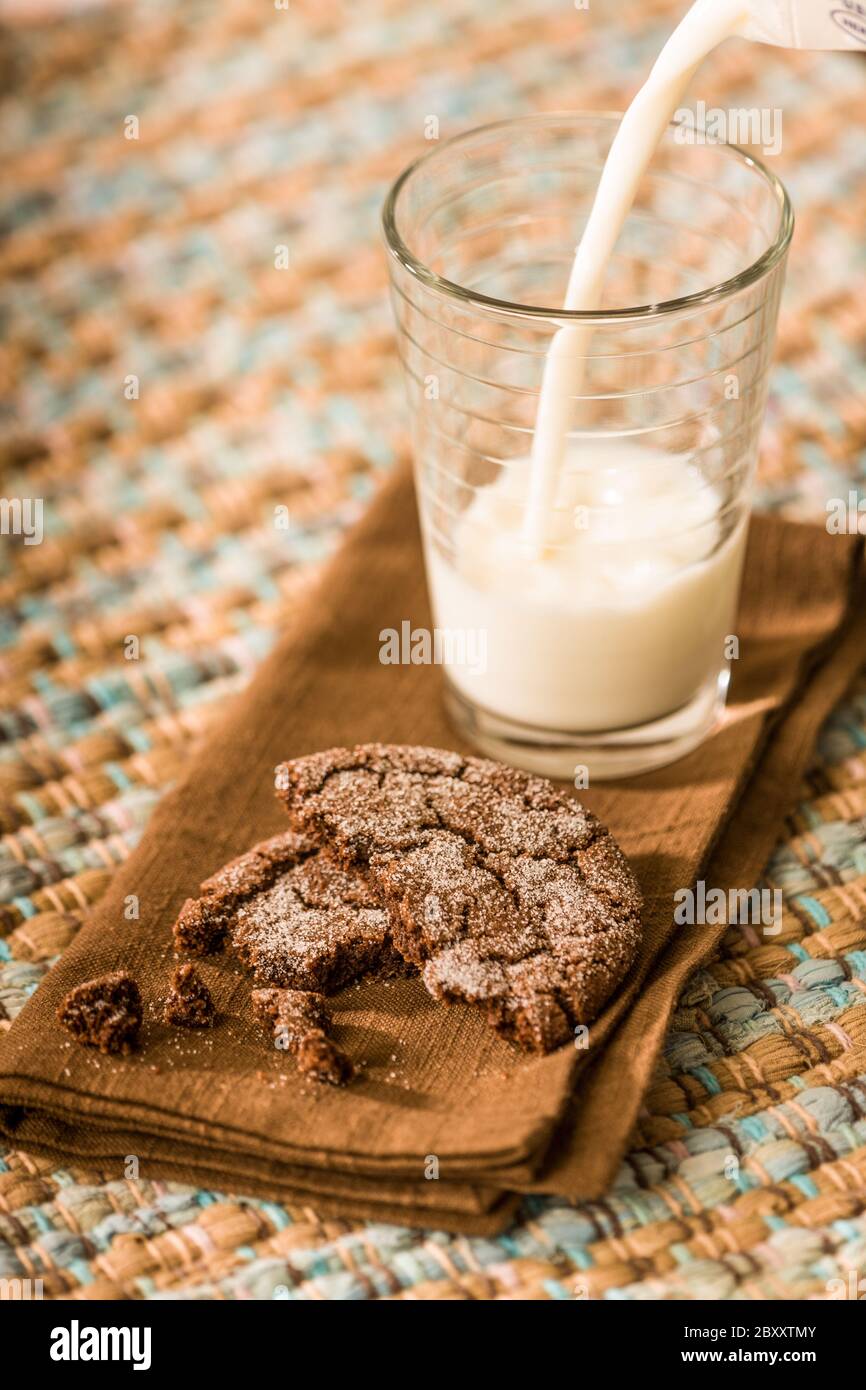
x=201, y=424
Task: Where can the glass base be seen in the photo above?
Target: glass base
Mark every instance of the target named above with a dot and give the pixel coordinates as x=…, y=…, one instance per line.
x=586, y=758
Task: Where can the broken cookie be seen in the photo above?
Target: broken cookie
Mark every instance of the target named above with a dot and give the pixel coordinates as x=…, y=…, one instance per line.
x=295, y=916
x=203, y=922
x=507, y=892
x=319, y=927
x=104, y=1013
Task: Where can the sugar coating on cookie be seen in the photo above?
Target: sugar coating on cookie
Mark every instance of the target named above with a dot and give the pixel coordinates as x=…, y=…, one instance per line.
x=506, y=891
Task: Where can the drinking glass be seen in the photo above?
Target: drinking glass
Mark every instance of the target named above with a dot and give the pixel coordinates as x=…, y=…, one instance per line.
x=609, y=649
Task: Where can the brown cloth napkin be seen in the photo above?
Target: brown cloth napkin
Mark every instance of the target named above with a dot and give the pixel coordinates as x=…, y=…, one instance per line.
x=447, y=1123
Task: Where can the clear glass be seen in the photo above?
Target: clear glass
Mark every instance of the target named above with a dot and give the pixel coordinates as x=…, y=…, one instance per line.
x=606, y=646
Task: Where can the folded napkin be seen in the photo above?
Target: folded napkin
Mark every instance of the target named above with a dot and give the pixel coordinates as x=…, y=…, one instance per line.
x=448, y=1123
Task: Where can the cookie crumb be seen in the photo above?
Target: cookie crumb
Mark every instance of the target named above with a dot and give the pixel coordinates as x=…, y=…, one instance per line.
x=189, y=1003
x=321, y=1059
x=299, y=1021
x=296, y=1010
x=104, y=1013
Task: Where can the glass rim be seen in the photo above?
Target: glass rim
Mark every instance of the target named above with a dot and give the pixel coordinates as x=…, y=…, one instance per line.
x=640, y=313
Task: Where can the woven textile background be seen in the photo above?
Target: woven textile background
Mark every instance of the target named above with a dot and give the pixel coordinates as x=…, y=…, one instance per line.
x=167, y=389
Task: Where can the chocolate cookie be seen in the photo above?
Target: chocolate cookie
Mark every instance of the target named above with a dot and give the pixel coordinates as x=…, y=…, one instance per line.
x=505, y=890
x=296, y=917
x=104, y=1013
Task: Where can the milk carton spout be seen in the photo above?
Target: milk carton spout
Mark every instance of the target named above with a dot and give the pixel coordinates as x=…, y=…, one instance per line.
x=807, y=23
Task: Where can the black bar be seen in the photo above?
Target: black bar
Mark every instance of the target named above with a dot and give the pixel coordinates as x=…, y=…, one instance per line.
x=180, y=1335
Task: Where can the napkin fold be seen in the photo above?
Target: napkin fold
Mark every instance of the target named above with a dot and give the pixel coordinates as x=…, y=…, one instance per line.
x=447, y=1124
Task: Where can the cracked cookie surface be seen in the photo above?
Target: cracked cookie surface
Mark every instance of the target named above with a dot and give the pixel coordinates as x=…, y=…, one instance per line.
x=506, y=891
x=318, y=927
